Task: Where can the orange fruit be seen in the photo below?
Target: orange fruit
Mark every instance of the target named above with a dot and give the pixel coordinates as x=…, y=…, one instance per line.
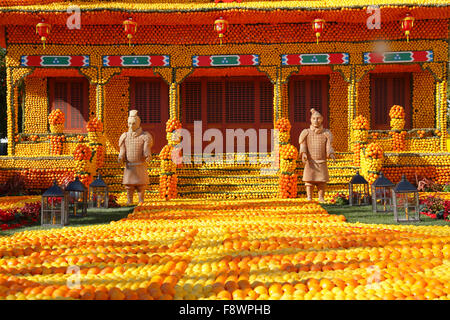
x=231, y=285
x=326, y=284
x=116, y=294
x=101, y=295
x=224, y=295
x=260, y=289
x=275, y=288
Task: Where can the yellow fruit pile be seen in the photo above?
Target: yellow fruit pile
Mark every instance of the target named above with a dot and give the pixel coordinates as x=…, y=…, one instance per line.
x=93, y=152
x=360, y=134
x=397, y=114
x=371, y=162
x=288, y=154
x=56, y=144
x=97, y=142
x=56, y=117
x=284, y=127
x=284, y=249
x=168, y=178
x=360, y=123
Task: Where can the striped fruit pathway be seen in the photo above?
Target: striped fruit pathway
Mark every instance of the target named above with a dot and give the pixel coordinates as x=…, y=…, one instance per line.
x=241, y=249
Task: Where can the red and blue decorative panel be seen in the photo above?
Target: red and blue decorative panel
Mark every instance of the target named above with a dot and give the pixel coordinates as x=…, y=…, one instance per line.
x=314, y=59
x=226, y=60
x=398, y=57
x=54, y=61
x=136, y=61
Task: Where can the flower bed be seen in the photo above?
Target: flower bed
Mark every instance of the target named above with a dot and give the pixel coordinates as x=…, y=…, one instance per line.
x=435, y=207
x=15, y=202
x=18, y=217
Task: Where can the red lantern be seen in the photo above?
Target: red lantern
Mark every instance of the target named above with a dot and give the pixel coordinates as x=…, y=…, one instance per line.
x=43, y=30
x=130, y=29
x=221, y=26
x=407, y=25
x=317, y=26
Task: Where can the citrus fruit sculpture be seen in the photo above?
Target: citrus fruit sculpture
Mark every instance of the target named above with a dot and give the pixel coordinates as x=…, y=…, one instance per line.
x=360, y=133
x=371, y=161
x=397, y=114
x=168, y=177
x=288, y=155
x=266, y=249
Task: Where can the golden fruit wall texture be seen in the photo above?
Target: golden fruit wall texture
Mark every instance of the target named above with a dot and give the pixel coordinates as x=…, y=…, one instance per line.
x=116, y=111
x=338, y=112
x=337, y=38
x=36, y=102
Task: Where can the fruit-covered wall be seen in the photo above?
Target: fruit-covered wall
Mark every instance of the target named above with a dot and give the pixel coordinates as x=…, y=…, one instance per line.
x=424, y=98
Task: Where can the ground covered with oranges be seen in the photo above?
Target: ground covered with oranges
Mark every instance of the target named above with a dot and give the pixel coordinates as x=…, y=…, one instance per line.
x=260, y=249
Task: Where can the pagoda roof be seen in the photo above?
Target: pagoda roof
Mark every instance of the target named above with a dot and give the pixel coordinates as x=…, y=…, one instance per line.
x=179, y=12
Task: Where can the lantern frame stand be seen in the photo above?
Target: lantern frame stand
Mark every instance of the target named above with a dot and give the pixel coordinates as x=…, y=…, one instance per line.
x=102, y=188
x=382, y=184
x=48, y=207
x=75, y=191
x=404, y=189
x=363, y=195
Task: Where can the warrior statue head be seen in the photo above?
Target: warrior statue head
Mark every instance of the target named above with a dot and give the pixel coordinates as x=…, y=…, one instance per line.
x=134, y=122
x=316, y=118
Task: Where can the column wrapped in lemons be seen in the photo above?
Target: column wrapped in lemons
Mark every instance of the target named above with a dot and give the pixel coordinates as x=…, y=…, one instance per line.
x=288, y=154
x=397, y=115
x=168, y=178
x=84, y=166
x=288, y=178
x=97, y=141
x=371, y=161
x=360, y=133
x=284, y=127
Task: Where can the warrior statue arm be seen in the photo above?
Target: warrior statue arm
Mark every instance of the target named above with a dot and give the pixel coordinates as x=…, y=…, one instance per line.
x=148, y=144
x=122, y=153
x=330, y=150
x=303, y=146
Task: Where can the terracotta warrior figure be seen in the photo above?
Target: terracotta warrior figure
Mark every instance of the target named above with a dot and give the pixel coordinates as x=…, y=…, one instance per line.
x=135, y=150
x=315, y=148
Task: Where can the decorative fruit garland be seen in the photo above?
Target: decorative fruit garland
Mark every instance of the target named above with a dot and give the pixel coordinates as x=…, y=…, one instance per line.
x=288, y=161
x=397, y=114
x=360, y=133
x=371, y=161
x=168, y=178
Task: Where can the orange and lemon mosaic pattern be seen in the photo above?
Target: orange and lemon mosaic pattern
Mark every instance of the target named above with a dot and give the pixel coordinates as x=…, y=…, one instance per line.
x=284, y=249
